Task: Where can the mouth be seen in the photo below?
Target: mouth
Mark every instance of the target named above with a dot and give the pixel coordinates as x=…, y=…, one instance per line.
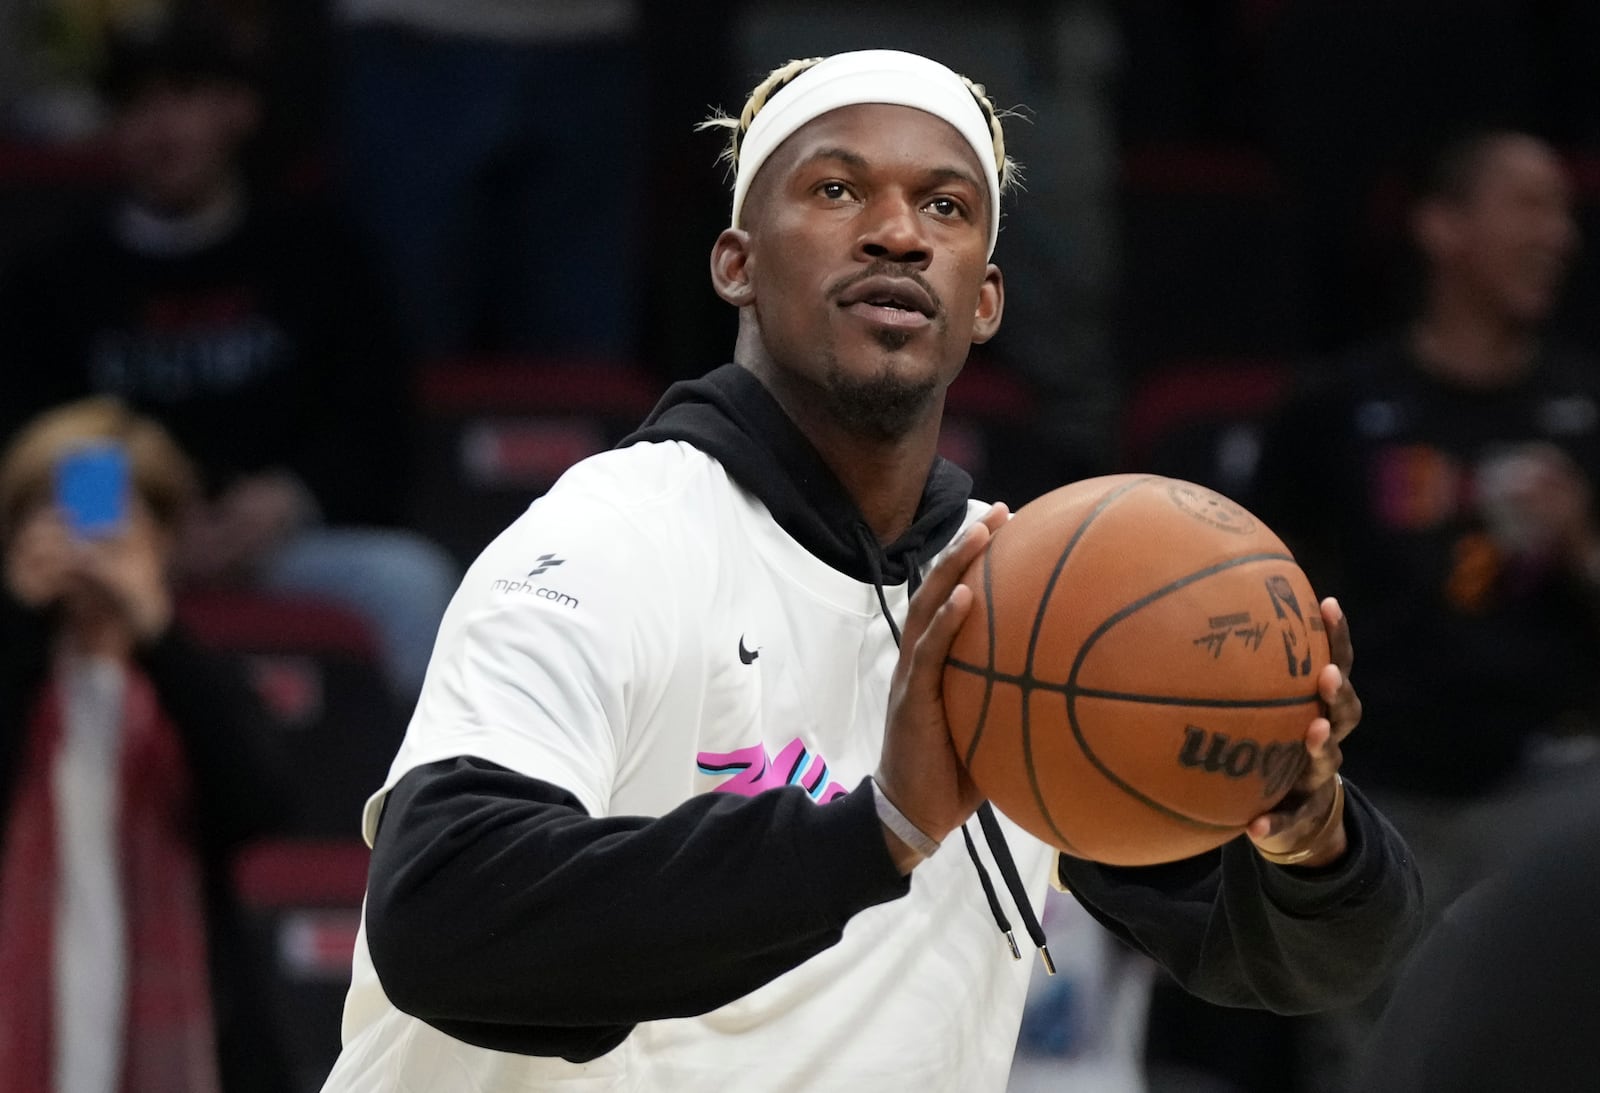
x=890, y=301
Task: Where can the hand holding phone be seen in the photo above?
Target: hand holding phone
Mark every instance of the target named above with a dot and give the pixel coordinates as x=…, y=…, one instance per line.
x=92, y=490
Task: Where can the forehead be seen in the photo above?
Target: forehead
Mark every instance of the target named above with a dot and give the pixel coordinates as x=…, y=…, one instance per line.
x=1519, y=161
x=880, y=135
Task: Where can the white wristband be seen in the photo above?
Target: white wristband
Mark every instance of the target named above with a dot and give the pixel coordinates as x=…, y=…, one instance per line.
x=904, y=830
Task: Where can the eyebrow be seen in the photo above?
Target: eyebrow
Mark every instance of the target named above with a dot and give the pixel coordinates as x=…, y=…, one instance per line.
x=842, y=155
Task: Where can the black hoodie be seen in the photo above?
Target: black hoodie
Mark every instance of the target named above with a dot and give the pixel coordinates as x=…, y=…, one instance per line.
x=494, y=898
x=731, y=417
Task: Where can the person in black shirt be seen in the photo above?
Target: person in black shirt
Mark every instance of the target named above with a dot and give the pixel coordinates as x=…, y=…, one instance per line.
x=1462, y=453
x=251, y=331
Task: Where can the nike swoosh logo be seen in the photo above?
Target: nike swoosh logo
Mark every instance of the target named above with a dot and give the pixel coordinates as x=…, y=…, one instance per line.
x=747, y=656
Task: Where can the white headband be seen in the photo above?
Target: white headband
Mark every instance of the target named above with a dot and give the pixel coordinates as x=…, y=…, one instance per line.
x=869, y=76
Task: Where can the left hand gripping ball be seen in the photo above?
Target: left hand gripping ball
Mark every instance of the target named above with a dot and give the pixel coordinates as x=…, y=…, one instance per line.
x=1138, y=671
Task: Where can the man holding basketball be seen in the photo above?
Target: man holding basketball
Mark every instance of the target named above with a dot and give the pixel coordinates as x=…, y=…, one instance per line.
x=682, y=746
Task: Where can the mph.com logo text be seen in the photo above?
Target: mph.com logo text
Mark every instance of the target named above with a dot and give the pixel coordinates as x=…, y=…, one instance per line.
x=528, y=587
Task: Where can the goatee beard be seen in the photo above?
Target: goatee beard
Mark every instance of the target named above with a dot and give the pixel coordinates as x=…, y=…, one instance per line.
x=882, y=406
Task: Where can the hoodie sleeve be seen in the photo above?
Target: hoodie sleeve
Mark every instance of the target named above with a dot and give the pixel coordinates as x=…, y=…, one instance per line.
x=504, y=915
x=1236, y=930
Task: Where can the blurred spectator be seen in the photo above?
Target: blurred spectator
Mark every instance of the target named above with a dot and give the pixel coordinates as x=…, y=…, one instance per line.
x=248, y=330
x=131, y=763
x=1461, y=455
x=49, y=53
x=492, y=152
x=1349, y=85
x=1465, y=1021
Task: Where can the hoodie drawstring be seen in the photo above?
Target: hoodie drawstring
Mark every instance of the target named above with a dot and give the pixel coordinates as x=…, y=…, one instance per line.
x=986, y=818
x=1008, y=872
x=989, y=894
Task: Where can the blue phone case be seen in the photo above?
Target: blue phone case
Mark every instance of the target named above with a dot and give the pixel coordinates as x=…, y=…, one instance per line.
x=92, y=490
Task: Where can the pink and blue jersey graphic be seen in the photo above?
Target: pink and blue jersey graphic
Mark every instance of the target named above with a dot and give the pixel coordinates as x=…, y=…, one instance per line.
x=750, y=771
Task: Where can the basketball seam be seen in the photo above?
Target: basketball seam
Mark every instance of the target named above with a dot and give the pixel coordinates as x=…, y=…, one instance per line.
x=988, y=673
x=1033, y=647
x=1133, y=696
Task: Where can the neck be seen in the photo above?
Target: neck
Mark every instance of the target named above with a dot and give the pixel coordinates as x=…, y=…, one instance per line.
x=886, y=479
x=1470, y=344
x=94, y=634
x=884, y=476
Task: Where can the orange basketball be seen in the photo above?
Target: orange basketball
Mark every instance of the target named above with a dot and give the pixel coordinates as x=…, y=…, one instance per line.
x=1138, y=671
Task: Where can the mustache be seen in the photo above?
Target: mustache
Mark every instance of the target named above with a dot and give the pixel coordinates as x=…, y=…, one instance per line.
x=883, y=268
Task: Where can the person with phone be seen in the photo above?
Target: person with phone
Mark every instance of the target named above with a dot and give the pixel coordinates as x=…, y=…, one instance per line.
x=248, y=326
x=132, y=762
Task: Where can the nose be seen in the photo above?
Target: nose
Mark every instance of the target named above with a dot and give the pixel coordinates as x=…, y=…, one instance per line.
x=894, y=231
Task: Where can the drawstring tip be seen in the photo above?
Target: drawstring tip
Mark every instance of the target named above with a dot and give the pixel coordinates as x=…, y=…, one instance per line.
x=1044, y=955
x=1011, y=939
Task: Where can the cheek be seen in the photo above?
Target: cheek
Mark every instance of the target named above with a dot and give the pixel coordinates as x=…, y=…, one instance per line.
x=789, y=320
x=791, y=293
x=964, y=297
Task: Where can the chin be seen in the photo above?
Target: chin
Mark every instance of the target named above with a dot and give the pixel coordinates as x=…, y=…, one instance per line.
x=884, y=402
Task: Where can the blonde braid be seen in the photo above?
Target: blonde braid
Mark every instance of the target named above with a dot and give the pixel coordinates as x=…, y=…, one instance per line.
x=1010, y=170
x=776, y=81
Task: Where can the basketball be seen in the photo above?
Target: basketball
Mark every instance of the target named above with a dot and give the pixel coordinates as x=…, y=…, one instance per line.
x=1136, y=676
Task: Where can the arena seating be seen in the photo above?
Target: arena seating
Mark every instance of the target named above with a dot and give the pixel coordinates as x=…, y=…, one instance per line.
x=1200, y=419
x=300, y=893
x=498, y=432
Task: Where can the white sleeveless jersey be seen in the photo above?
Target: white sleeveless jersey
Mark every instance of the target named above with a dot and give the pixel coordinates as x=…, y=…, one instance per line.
x=646, y=632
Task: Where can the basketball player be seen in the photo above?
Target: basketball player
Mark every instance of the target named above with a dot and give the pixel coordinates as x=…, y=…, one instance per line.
x=670, y=812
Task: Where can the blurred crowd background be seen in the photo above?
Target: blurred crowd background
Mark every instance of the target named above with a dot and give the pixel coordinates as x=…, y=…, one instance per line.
x=383, y=268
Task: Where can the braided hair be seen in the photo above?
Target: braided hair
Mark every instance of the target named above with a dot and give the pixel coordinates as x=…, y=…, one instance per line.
x=1010, y=171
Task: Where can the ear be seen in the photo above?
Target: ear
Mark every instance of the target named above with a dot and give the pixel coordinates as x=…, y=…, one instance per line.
x=991, y=304
x=731, y=267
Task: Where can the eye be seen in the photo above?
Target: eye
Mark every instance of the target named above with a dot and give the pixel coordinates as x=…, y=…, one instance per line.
x=946, y=207
x=834, y=190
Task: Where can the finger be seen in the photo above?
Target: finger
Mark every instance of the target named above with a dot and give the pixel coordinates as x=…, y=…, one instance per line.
x=942, y=579
x=1329, y=683
x=1323, y=760
x=1303, y=810
x=1317, y=773
x=997, y=516
x=948, y=571
x=1340, y=648
x=1342, y=702
x=1317, y=737
x=928, y=657
x=1284, y=822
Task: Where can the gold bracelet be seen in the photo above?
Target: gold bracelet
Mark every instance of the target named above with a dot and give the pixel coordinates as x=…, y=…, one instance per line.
x=1295, y=857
